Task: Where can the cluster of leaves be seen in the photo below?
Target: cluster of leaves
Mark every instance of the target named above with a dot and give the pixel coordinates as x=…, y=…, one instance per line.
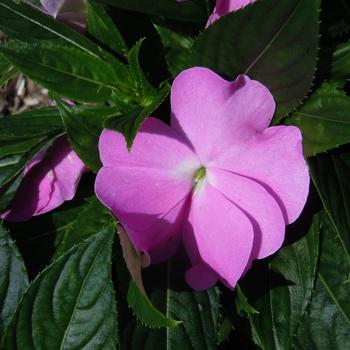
x=90, y=295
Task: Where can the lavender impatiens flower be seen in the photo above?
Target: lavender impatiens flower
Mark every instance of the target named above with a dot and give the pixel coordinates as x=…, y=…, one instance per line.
x=218, y=179
x=51, y=178
x=72, y=12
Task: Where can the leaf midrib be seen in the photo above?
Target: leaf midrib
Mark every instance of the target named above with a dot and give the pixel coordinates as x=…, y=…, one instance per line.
x=79, y=295
x=269, y=44
x=74, y=43
x=314, y=116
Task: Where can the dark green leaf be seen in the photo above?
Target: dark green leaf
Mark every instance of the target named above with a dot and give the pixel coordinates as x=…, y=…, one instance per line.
x=327, y=324
x=136, y=296
x=8, y=191
x=84, y=125
x=101, y=26
x=272, y=41
x=91, y=217
x=282, y=308
x=242, y=303
x=23, y=22
x=64, y=70
x=36, y=123
x=324, y=120
x=129, y=123
x=13, y=279
x=142, y=88
x=340, y=71
x=177, y=49
x=198, y=312
x=193, y=10
x=71, y=303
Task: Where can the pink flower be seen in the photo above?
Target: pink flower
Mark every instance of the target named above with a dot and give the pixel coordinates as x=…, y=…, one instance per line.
x=224, y=7
x=49, y=180
x=72, y=12
x=218, y=178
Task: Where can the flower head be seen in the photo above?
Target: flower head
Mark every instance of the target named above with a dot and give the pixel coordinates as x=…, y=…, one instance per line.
x=49, y=180
x=218, y=178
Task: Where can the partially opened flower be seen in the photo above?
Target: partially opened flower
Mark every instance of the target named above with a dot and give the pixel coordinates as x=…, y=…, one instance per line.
x=72, y=12
x=224, y=7
x=218, y=178
x=49, y=180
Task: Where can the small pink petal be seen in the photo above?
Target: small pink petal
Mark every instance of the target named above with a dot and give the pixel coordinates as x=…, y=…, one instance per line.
x=213, y=114
x=201, y=277
x=262, y=209
x=47, y=183
x=224, y=7
x=274, y=158
x=222, y=233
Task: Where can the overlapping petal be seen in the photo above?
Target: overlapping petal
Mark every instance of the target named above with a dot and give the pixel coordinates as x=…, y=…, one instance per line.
x=214, y=114
x=223, y=235
x=48, y=182
x=258, y=204
x=274, y=158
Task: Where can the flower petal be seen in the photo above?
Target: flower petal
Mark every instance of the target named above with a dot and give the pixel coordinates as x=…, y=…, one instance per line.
x=47, y=183
x=161, y=240
x=274, y=158
x=262, y=209
x=201, y=277
x=139, y=196
x=222, y=233
x=212, y=113
x=156, y=146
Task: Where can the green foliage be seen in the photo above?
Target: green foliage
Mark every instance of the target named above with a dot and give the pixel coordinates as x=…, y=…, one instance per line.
x=90, y=218
x=84, y=125
x=199, y=315
x=340, y=70
x=324, y=120
x=264, y=41
x=291, y=278
x=13, y=279
x=70, y=305
x=64, y=70
x=101, y=26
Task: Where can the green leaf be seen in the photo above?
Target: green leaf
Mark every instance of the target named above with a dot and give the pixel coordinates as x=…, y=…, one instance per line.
x=137, y=299
x=8, y=192
x=91, y=218
x=282, y=307
x=177, y=49
x=242, y=303
x=327, y=324
x=129, y=123
x=101, y=26
x=84, y=125
x=64, y=70
x=198, y=312
x=70, y=305
x=36, y=123
x=193, y=10
x=340, y=70
x=13, y=279
x=272, y=41
x=23, y=22
x=324, y=120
